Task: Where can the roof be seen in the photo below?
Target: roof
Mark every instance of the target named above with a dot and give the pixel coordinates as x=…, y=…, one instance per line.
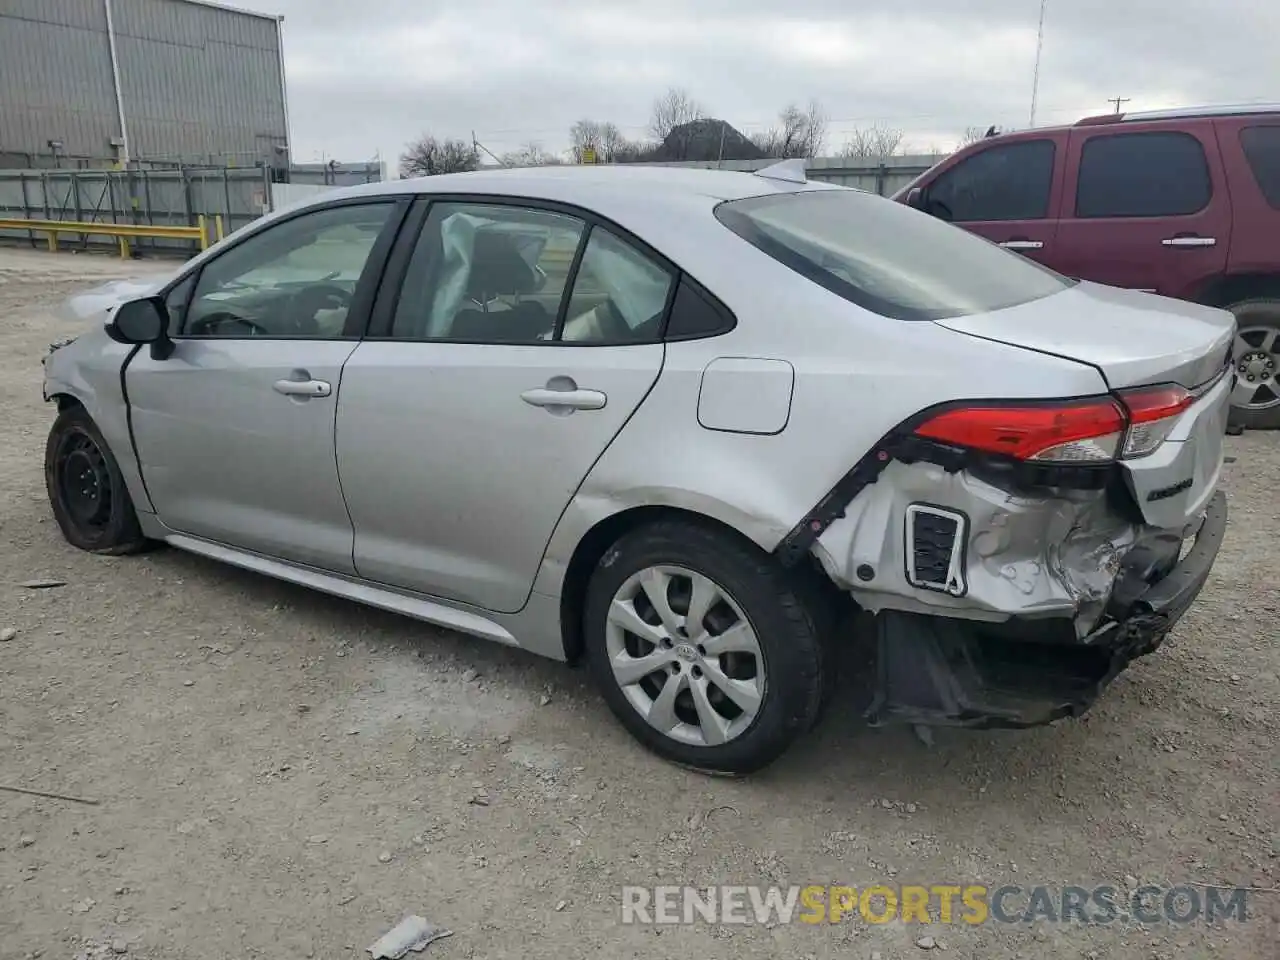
x=608, y=189
x=234, y=8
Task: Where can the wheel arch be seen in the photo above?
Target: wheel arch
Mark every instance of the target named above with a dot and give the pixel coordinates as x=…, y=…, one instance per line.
x=1225, y=290
x=595, y=543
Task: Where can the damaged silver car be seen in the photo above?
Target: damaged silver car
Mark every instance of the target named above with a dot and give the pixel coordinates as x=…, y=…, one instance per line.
x=676, y=424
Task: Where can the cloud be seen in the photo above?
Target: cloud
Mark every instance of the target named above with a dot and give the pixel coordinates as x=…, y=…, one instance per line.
x=367, y=76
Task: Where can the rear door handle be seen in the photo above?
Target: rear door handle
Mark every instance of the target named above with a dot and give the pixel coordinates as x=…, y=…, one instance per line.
x=1190, y=241
x=561, y=394
x=1022, y=245
x=303, y=388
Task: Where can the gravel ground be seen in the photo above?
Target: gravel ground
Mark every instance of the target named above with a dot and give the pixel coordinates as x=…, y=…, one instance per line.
x=284, y=774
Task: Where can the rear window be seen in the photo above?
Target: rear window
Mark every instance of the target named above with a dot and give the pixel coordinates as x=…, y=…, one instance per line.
x=1262, y=150
x=887, y=257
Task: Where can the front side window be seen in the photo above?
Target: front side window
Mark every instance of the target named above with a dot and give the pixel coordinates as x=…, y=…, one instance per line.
x=887, y=257
x=1262, y=150
x=497, y=273
x=1143, y=175
x=294, y=279
x=1010, y=181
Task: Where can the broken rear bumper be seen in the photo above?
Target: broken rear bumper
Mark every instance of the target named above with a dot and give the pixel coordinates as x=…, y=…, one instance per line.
x=950, y=672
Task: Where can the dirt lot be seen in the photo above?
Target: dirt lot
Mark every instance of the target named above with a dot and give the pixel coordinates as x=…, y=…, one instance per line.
x=283, y=774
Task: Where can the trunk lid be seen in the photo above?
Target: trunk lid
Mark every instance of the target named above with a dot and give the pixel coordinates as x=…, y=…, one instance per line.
x=1133, y=338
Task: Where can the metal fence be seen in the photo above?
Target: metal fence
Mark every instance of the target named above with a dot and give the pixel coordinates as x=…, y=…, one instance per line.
x=166, y=198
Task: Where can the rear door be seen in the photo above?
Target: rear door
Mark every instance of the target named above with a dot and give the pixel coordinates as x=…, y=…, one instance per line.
x=511, y=343
x=1007, y=192
x=1145, y=207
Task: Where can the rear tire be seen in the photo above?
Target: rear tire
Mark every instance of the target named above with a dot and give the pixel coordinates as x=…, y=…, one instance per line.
x=86, y=489
x=737, y=661
x=1257, y=351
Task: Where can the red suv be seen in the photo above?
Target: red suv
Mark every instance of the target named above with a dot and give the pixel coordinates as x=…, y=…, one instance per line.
x=1184, y=203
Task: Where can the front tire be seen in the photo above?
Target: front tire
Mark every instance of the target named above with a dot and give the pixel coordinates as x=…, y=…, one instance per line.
x=706, y=650
x=1256, y=355
x=86, y=489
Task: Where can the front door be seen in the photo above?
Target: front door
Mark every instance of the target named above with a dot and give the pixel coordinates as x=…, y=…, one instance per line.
x=1147, y=210
x=466, y=427
x=1007, y=193
x=234, y=430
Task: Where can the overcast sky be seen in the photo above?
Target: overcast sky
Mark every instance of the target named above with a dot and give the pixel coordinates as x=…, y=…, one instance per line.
x=367, y=75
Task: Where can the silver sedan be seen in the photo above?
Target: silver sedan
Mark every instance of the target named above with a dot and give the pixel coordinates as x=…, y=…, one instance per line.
x=677, y=424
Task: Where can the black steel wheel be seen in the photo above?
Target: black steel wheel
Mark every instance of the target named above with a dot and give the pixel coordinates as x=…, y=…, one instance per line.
x=86, y=489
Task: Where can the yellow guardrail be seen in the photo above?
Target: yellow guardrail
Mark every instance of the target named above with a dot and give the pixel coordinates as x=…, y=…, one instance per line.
x=123, y=232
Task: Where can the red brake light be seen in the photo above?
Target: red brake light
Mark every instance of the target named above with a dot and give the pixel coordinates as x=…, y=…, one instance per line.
x=1151, y=413
x=1082, y=431
x=1156, y=403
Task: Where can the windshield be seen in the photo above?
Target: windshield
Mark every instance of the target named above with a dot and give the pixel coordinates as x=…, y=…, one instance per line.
x=887, y=257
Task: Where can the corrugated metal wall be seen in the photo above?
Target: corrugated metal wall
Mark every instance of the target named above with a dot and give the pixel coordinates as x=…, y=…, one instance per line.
x=199, y=83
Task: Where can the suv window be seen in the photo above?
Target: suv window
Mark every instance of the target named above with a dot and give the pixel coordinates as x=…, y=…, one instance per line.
x=1003, y=182
x=1157, y=174
x=1262, y=149
x=296, y=278
x=887, y=257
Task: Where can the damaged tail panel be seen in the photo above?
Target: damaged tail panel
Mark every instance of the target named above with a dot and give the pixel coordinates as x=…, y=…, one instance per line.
x=1009, y=588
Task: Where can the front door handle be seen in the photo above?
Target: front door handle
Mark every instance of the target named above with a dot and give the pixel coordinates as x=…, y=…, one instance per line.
x=1190, y=241
x=1021, y=244
x=561, y=395
x=303, y=388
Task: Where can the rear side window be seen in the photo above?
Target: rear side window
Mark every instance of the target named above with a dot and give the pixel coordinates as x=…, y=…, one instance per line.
x=1008, y=182
x=1143, y=175
x=887, y=257
x=1262, y=150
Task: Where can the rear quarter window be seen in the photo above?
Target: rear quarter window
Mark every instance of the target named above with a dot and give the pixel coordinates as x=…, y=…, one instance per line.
x=887, y=257
x=1262, y=149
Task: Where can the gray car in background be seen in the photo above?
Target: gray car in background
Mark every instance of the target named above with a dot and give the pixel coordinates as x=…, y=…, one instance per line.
x=678, y=423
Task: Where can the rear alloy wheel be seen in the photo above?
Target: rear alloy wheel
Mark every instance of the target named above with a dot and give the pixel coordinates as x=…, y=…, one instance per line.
x=705, y=649
x=86, y=490
x=1256, y=355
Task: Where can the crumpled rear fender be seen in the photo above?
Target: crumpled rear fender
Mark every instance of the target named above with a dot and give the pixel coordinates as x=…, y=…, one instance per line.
x=1047, y=554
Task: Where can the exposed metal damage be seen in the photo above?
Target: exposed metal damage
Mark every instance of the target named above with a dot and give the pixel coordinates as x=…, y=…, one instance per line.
x=1054, y=596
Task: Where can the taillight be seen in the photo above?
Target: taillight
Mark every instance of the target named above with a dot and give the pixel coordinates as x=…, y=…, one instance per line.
x=1077, y=431
x=1153, y=413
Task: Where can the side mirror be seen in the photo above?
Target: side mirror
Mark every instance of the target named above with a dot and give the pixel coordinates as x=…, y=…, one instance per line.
x=142, y=321
x=915, y=198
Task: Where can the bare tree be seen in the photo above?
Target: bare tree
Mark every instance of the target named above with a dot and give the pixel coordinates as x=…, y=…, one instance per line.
x=530, y=155
x=799, y=133
x=428, y=156
x=873, y=143
x=673, y=109
x=974, y=134
x=604, y=139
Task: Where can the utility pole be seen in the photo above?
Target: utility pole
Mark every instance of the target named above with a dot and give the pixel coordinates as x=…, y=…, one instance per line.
x=1035, y=79
x=1117, y=101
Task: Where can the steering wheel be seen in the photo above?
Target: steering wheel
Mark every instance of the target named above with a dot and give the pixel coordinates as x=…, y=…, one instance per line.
x=301, y=310
x=207, y=325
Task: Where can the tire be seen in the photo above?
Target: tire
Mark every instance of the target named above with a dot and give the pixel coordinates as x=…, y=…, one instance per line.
x=1259, y=325
x=785, y=613
x=101, y=519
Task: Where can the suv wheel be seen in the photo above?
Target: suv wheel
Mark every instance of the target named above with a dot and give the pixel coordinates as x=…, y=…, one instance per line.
x=86, y=490
x=1257, y=359
x=704, y=648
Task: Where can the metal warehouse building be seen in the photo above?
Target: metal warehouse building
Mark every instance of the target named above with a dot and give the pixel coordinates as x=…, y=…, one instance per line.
x=96, y=82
